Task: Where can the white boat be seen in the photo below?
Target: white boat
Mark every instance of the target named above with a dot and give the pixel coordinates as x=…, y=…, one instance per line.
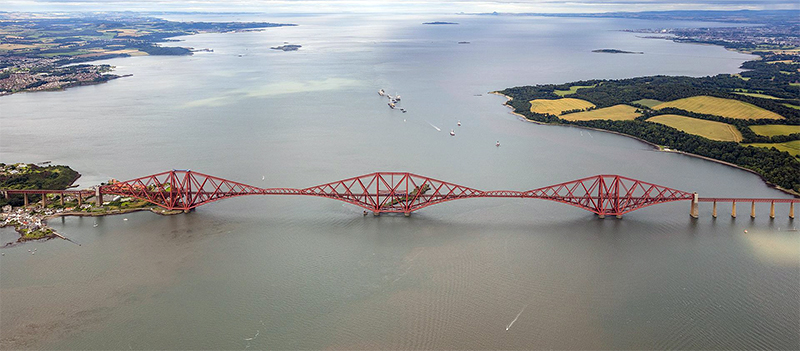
x=459, y=123
x=381, y=92
x=397, y=97
x=452, y=132
x=498, y=143
x=391, y=105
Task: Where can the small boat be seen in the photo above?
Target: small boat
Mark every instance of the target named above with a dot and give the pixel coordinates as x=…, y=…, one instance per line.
x=452, y=132
x=459, y=123
x=397, y=97
x=498, y=143
x=381, y=92
x=391, y=105
x=404, y=110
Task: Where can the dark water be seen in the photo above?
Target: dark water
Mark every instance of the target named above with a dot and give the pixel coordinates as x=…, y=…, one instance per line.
x=307, y=273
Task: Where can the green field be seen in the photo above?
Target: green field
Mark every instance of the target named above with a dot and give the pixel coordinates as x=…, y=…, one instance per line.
x=648, y=102
x=555, y=107
x=763, y=96
x=616, y=113
x=775, y=129
x=721, y=107
x=792, y=147
x=572, y=89
x=792, y=106
x=707, y=129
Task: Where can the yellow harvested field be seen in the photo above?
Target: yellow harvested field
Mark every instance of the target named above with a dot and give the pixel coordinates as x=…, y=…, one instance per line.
x=707, y=129
x=792, y=147
x=16, y=46
x=775, y=129
x=616, y=113
x=720, y=107
x=555, y=107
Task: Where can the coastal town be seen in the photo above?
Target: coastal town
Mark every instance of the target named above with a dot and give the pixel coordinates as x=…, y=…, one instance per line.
x=28, y=213
x=40, y=53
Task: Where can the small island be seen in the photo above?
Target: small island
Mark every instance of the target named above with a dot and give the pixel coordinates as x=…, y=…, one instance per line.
x=440, y=22
x=617, y=51
x=288, y=47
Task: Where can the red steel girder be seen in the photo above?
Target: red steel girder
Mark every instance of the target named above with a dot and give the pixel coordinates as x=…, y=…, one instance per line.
x=397, y=192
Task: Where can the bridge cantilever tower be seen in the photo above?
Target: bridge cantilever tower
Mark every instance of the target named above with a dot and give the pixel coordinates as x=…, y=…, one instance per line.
x=396, y=192
x=402, y=192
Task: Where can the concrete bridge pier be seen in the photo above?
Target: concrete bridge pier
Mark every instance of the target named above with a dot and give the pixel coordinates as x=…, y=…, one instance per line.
x=753, y=209
x=44, y=200
x=791, y=210
x=772, y=210
x=733, y=210
x=376, y=213
x=601, y=216
x=98, y=196
x=80, y=199
x=694, y=211
x=25, y=196
x=5, y=194
x=619, y=216
x=714, y=212
x=62, y=199
x=407, y=214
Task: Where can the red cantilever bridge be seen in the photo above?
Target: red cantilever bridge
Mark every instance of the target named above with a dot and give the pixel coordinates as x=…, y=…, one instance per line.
x=398, y=192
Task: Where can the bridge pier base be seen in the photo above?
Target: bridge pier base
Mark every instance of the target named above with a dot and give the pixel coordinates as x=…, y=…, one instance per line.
x=407, y=214
x=25, y=197
x=619, y=216
x=772, y=210
x=694, y=211
x=733, y=210
x=601, y=216
x=791, y=210
x=376, y=213
x=753, y=209
x=80, y=199
x=98, y=197
x=62, y=199
x=714, y=211
x=44, y=200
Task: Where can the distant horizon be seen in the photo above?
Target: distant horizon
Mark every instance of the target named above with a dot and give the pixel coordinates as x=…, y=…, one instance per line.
x=398, y=7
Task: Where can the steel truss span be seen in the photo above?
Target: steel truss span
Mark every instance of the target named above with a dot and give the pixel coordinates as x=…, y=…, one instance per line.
x=397, y=192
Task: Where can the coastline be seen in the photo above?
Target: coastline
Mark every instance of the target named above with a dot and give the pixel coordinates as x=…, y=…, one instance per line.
x=54, y=234
x=655, y=146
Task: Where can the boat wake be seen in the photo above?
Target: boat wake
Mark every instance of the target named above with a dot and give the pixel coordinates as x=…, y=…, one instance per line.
x=434, y=127
x=515, y=318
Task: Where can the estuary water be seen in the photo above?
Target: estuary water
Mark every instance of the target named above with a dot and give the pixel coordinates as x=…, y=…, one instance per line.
x=308, y=273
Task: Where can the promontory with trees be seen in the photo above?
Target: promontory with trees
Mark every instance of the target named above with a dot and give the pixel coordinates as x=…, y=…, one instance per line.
x=751, y=119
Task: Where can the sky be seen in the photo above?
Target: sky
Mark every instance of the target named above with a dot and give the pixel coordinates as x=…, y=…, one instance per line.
x=401, y=6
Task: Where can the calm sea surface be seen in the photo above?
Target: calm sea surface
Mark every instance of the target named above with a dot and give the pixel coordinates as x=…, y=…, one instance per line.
x=307, y=273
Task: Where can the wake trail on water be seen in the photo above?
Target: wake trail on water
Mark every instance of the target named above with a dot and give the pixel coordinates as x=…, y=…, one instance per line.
x=515, y=318
x=434, y=127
